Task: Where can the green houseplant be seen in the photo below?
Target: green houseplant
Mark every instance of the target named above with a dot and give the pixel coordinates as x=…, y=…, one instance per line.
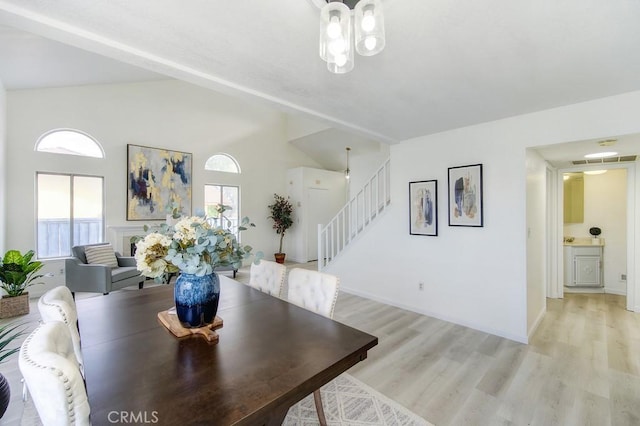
x=17, y=273
x=281, y=213
x=8, y=333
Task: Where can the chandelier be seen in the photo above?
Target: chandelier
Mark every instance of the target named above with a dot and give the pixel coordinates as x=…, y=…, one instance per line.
x=347, y=172
x=341, y=30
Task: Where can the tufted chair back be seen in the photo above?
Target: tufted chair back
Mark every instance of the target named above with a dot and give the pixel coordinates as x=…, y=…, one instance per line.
x=313, y=290
x=58, y=305
x=50, y=369
x=268, y=277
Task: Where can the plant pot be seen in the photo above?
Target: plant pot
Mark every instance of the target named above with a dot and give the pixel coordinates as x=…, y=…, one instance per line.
x=5, y=394
x=279, y=257
x=14, y=306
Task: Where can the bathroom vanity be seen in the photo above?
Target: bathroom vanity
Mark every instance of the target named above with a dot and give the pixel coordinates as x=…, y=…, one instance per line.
x=583, y=263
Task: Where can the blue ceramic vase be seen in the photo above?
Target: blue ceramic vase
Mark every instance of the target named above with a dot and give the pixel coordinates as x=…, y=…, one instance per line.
x=197, y=299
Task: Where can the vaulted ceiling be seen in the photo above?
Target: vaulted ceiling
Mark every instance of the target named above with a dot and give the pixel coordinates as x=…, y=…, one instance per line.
x=446, y=64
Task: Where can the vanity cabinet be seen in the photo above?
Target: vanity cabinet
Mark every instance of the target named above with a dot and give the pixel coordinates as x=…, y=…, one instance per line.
x=583, y=266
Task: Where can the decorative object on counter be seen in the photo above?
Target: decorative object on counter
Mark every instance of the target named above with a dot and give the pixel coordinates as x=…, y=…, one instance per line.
x=423, y=208
x=281, y=213
x=465, y=196
x=8, y=333
x=595, y=233
x=17, y=273
x=158, y=180
x=194, y=248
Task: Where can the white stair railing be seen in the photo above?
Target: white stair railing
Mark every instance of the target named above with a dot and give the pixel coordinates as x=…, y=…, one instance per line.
x=365, y=206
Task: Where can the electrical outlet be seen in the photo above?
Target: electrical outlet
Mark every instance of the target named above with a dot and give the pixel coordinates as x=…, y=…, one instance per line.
x=420, y=286
x=61, y=271
x=623, y=277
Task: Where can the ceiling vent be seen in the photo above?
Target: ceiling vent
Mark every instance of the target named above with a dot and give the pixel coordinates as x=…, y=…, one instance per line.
x=607, y=160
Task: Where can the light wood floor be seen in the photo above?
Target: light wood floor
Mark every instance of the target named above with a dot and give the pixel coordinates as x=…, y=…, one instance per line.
x=581, y=368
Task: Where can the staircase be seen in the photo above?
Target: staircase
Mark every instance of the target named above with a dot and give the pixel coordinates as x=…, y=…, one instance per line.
x=356, y=216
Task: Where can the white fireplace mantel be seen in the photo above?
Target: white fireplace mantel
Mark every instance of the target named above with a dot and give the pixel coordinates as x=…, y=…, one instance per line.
x=119, y=237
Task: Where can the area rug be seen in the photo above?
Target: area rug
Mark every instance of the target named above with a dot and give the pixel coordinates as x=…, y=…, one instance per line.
x=348, y=401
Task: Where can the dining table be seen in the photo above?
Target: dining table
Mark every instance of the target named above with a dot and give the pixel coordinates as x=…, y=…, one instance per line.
x=270, y=355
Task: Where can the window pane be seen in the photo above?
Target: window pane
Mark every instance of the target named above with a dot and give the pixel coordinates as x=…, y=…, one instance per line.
x=229, y=196
x=58, y=229
x=87, y=210
x=54, y=219
x=212, y=197
x=230, y=199
x=222, y=163
x=69, y=142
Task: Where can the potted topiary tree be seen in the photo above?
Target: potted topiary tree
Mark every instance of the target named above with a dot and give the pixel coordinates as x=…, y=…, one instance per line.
x=281, y=211
x=17, y=273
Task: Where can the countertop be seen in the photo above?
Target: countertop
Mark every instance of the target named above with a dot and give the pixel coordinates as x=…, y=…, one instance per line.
x=584, y=241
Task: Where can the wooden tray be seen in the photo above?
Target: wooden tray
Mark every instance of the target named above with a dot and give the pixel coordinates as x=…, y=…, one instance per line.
x=171, y=322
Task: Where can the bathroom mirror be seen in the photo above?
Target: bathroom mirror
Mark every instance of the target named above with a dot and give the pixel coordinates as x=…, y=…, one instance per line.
x=573, y=197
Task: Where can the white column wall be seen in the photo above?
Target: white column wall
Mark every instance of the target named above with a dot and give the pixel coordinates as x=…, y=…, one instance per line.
x=473, y=276
x=536, y=239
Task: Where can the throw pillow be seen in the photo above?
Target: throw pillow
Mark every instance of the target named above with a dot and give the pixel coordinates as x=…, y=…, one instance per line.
x=102, y=254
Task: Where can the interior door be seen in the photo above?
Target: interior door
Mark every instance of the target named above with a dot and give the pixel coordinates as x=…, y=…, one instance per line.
x=320, y=208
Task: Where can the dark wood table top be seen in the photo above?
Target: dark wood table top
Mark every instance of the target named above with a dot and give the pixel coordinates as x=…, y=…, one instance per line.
x=271, y=354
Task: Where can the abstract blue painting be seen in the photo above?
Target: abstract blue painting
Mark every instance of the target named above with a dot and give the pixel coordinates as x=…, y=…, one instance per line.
x=158, y=181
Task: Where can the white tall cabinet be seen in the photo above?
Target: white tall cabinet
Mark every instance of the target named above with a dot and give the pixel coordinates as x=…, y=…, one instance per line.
x=317, y=195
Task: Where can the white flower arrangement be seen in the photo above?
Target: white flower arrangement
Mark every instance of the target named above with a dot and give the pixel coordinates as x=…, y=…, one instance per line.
x=191, y=246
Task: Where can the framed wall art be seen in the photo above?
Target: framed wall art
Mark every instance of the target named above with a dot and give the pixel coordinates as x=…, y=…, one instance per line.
x=423, y=208
x=465, y=196
x=158, y=181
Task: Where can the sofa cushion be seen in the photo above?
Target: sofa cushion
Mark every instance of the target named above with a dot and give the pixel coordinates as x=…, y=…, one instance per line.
x=102, y=254
x=122, y=273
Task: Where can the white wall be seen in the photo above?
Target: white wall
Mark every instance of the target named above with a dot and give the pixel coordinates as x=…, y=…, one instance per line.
x=3, y=169
x=605, y=206
x=298, y=126
x=165, y=114
x=536, y=239
x=363, y=166
x=473, y=276
x=300, y=180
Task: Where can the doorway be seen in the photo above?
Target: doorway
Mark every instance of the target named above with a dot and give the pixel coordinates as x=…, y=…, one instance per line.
x=617, y=249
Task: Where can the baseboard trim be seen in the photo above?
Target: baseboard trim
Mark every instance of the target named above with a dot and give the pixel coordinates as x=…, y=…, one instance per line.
x=536, y=323
x=614, y=291
x=517, y=338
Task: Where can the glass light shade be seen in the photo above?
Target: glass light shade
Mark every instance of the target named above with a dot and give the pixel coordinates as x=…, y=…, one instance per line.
x=335, y=27
x=369, y=27
x=340, y=62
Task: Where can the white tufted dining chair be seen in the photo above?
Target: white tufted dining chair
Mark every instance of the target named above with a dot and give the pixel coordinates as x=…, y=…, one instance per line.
x=268, y=277
x=58, y=305
x=313, y=290
x=52, y=374
x=317, y=292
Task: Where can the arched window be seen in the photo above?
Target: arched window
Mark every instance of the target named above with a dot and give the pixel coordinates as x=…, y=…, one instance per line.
x=222, y=163
x=69, y=142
